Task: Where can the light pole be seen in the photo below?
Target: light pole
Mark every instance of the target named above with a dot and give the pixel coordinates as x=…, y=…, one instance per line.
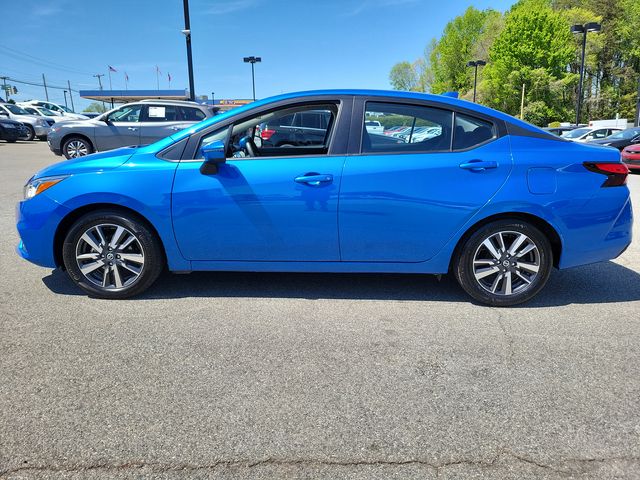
x=187, y=35
x=583, y=29
x=65, y=99
x=253, y=61
x=475, y=64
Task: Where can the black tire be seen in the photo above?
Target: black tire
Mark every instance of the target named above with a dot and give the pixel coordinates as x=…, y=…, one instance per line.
x=31, y=133
x=42, y=138
x=74, y=147
x=146, y=242
x=13, y=140
x=473, y=253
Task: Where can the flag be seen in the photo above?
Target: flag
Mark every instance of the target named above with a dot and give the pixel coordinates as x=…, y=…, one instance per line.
x=111, y=69
x=169, y=76
x=126, y=77
x=158, y=70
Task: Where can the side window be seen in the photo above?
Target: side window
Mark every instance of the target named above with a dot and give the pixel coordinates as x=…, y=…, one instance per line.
x=162, y=113
x=190, y=114
x=471, y=131
x=405, y=128
x=128, y=113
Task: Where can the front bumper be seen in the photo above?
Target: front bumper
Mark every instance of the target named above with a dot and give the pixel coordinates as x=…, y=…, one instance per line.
x=54, y=145
x=37, y=220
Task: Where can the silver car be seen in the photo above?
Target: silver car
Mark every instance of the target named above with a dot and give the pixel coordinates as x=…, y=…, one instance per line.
x=137, y=123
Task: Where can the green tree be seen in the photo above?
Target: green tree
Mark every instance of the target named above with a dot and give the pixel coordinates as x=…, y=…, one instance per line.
x=404, y=76
x=96, y=107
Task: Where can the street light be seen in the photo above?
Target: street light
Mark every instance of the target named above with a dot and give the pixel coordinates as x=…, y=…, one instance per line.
x=187, y=35
x=475, y=64
x=583, y=29
x=253, y=61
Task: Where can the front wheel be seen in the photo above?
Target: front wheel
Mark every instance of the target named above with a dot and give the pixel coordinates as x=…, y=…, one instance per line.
x=504, y=263
x=75, y=147
x=112, y=255
x=31, y=133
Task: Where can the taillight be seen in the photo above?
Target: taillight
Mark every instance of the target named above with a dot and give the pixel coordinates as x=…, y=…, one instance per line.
x=616, y=172
x=266, y=133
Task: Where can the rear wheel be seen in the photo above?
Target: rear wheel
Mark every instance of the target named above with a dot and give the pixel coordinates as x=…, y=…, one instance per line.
x=112, y=255
x=504, y=263
x=75, y=147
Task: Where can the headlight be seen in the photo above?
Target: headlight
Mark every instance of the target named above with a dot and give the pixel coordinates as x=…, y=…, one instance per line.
x=39, y=185
x=41, y=122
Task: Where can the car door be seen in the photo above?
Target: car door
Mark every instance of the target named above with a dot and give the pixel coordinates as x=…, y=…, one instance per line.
x=120, y=128
x=401, y=201
x=280, y=205
x=160, y=121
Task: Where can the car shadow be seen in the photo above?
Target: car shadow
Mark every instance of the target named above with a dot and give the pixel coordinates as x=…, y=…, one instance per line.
x=605, y=282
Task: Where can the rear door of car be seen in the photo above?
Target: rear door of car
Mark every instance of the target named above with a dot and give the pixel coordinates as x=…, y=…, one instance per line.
x=401, y=201
x=160, y=121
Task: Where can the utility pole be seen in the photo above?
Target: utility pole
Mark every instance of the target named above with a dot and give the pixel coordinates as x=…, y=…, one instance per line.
x=475, y=64
x=522, y=104
x=65, y=99
x=636, y=123
x=99, y=77
x=187, y=34
x=46, y=92
x=71, y=95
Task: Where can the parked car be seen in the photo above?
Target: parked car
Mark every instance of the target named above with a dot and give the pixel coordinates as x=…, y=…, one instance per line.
x=621, y=139
x=137, y=123
x=48, y=115
x=35, y=126
x=296, y=129
x=10, y=130
x=374, y=126
x=631, y=157
x=559, y=131
x=492, y=199
x=588, y=134
x=61, y=109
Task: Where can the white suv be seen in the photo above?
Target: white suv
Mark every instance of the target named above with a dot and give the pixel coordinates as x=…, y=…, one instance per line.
x=54, y=107
x=36, y=126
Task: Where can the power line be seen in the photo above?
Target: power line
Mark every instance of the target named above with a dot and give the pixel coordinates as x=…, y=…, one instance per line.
x=16, y=54
x=36, y=84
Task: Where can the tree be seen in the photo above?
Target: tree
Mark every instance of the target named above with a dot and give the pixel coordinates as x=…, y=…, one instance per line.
x=96, y=107
x=404, y=76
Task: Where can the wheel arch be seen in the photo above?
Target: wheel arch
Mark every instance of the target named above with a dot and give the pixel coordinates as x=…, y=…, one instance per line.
x=75, y=134
x=543, y=225
x=66, y=223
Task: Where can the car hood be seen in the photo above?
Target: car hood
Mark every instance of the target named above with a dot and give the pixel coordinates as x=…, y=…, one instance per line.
x=72, y=122
x=97, y=162
x=25, y=118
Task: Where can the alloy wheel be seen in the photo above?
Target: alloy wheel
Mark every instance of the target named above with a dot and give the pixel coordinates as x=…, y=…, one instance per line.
x=76, y=148
x=110, y=256
x=506, y=263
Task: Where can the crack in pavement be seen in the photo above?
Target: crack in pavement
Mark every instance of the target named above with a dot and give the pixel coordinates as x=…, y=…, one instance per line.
x=562, y=467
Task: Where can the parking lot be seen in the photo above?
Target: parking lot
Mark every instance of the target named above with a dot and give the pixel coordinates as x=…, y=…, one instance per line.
x=318, y=376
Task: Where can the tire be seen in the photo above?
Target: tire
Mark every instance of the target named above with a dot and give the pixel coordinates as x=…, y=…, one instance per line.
x=74, y=147
x=31, y=133
x=110, y=254
x=13, y=140
x=510, y=273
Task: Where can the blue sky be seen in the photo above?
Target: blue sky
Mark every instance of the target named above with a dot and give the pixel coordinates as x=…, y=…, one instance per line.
x=304, y=45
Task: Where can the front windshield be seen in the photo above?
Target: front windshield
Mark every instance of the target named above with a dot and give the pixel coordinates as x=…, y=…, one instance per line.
x=625, y=134
x=16, y=110
x=66, y=109
x=578, y=132
x=47, y=112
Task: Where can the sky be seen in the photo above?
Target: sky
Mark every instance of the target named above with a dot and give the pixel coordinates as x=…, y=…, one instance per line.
x=304, y=45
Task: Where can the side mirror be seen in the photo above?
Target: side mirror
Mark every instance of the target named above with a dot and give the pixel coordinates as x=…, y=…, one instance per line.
x=214, y=154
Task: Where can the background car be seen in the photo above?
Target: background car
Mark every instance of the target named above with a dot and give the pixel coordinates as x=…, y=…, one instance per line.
x=296, y=129
x=374, y=126
x=35, y=126
x=50, y=116
x=137, y=123
x=621, y=139
x=61, y=109
x=588, y=134
x=492, y=199
x=631, y=157
x=559, y=131
x=10, y=130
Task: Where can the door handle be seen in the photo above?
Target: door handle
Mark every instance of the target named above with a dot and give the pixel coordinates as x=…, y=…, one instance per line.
x=176, y=128
x=133, y=129
x=314, y=179
x=478, y=165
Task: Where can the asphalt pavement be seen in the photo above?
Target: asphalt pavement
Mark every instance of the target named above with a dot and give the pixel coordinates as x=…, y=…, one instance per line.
x=314, y=376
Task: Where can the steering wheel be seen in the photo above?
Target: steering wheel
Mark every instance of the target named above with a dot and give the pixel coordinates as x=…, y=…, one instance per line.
x=249, y=146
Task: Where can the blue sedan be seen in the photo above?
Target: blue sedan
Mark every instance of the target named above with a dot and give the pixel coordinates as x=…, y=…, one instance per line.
x=299, y=183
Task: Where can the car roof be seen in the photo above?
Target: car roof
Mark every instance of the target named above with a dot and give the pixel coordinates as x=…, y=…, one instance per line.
x=171, y=102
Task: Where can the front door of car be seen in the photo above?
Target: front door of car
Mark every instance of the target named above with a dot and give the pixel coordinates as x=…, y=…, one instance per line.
x=266, y=203
x=159, y=121
x=121, y=128
x=402, y=199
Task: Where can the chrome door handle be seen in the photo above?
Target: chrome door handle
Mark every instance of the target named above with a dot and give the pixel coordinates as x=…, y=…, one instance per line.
x=314, y=179
x=478, y=165
x=133, y=129
x=176, y=128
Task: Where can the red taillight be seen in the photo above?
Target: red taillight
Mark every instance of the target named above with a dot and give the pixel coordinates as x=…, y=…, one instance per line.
x=266, y=133
x=616, y=172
